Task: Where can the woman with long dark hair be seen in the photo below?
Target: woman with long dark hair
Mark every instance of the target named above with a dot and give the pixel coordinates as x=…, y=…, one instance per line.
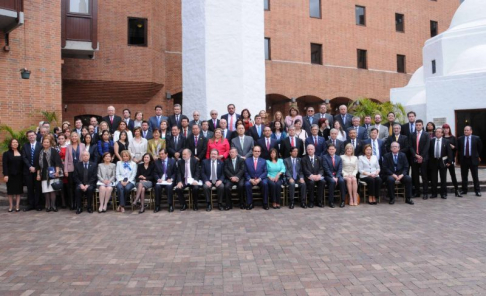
x=48, y=169
x=276, y=169
x=12, y=174
x=452, y=168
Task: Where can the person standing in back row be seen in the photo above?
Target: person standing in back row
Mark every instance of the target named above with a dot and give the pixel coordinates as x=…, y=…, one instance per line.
x=470, y=147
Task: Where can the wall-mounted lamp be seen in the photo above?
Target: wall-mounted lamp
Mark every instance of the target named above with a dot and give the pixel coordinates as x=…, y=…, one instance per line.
x=168, y=95
x=65, y=108
x=293, y=100
x=327, y=101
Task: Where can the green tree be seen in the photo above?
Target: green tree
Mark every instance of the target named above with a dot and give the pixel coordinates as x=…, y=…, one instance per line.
x=365, y=106
x=11, y=134
x=49, y=116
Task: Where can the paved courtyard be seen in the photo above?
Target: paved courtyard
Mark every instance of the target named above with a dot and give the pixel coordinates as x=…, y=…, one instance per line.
x=436, y=247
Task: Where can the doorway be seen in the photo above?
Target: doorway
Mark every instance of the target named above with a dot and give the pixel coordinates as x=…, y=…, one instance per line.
x=476, y=118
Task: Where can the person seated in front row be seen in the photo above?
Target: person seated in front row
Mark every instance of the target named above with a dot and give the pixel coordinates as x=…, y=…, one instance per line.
x=213, y=175
x=256, y=175
x=234, y=172
x=395, y=168
x=165, y=172
x=350, y=169
x=276, y=169
x=188, y=175
x=85, y=177
x=295, y=176
x=126, y=171
x=314, y=176
x=333, y=170
x=369, y=172
x=106, y=181
x=145, y=176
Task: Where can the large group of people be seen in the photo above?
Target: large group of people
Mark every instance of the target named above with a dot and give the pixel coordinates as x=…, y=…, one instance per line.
x=315, y=156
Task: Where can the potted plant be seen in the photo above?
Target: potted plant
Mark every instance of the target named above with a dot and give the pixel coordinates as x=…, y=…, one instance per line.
x=25, y=73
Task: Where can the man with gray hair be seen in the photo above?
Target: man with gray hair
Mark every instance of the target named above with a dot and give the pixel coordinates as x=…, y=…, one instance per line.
x=361, y=132
x=176, y=118
x=111, y=119
x=196, y=120
x=85, y=178
x=397, y=137
x=334, y=141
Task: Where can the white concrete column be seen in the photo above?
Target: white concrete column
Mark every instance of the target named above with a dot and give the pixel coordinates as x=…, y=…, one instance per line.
x=223, y=58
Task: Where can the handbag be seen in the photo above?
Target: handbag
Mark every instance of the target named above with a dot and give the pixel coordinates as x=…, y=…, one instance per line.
x=56, y=185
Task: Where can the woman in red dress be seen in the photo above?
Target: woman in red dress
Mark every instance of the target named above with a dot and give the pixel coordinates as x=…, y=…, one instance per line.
x=246, y=118
x=220, y=144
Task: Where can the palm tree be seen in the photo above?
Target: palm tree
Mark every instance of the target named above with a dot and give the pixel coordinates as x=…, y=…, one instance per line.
x=364, y=106
x=11, y=134
x=49, y=116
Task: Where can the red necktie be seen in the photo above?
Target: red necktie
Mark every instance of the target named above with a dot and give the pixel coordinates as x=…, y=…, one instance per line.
x=333, y=163
x=231, y=123
x=195, y=141
x=315, y=141
x=111, y=119
x=292, y=144
x=268, y=145
x=185, y=133
x=418, y=142
x=214, y=123
x=255, y=163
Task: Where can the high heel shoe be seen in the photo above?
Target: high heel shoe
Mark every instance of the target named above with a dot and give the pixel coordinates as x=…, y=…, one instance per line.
x=17, y=210
x=142, y=210
x=458, y=194
x=10, y=210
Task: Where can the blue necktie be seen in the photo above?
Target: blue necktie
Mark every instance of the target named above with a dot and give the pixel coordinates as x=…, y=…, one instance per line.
x=294, y=172
x=259, y=132
x=395, y=159
x=32, y=151
x=310, y=120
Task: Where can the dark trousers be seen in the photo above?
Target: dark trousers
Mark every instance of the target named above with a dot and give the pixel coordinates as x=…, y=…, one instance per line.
x=70, y=192
x=240, y=188
x=88, y=193
x=275, y=189
x=310, y=185
x=419, y=169
x=169, y=189
x=264, y=190
x=436, y=170
x=303, y=191
x=124, y=192
x=33, y=189
x=195, y=193
x=452, y=172
x=466, y=166
x=374, y=185
x=406, y=181
x=219, y=192
x=331, y=185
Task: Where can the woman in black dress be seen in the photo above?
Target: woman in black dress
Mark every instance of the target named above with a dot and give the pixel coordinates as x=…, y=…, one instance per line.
x=12, y=172
x=145, y=176
x=48, y=171
x=121, y=145
x=452, y=168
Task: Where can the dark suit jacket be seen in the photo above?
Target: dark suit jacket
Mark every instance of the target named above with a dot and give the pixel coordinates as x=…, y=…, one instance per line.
x=171, y=171
x=172, y=148
x=252, y=132
x=206, y=170
x=321, y=144
x=149, y=135
x=211, y=124
x=424, y=144
x=92, y=174
x=361, y=135
x=349, y=120
x=309, y=169
x=229, y=171
x=131, y=124
x=339, y=147
x=285, y=147
x=202, y=146
x=330, y=118
x=406, y=129
x=330, y=170
x=27, y=153
x=476, y=148
x=307, y=124
x=359, y=146
x=388, y=165
x=260, y=172
x=147, y=173
x=195, y=170
x=93, y=153
x=387, y=125
x=116, y=122
x=153, y=122
x=225, y=116
x=289, y=169
x=445, y=150
x=402, y=140
x=265, y=152
x=172, y=121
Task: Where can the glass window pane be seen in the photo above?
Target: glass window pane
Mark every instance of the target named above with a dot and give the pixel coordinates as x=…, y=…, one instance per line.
x=360, y=15
x=79, y=6
x=267, y=48
x=399, y=22
x=401, y=64
x=137, y=31
x=266, y=4
x=362, y=62
x=315, y=8
x=316, y=53
x=434, y=28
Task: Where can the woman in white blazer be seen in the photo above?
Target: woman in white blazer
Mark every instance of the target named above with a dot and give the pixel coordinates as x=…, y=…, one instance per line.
x=350, y=169
x=369, y=171
x=126, y=171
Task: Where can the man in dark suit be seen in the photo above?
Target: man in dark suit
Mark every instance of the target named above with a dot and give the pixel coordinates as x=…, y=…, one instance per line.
x=358, y=146
x=361, y=132
x=256, y=175
x=176, y=118
x=391, y=122
x=185, y=131
x=112, y=120
x=188, y=175
x=256, y=131
x=470, y=148
x=205, y=132
x=397, y=137
x=419, y=150
x=338, y=144
x=333, y=170
x=267, y=143
x=367, y=122
x=197, y=143
x=225, y=132
x=323, y=114
x=214, y=121
x=344, y=118
x=165, y=171
x=314, y=139
x=154, y=121
x=440, y=158
x=314, y=177
x=196, y=120
x=126, y=117
x=309, y=120
x=377, y=146
x=94, y=136
x=395, y=168
x=85, y=177
x=234, y=172
x=295, y=176
x=43, y=131
x=409, y=127
x=231, y=117
x=175, y=144
x=213, y=176
x=30, y=156
x=78, y=126
x=146, y=132
x=289, y=142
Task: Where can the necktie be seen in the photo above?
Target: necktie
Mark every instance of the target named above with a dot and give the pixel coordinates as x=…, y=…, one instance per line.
x=32, y=151
x=158, y=121
x=467, y=147
x=268, y=145
x=242, y=141
x=164, y=168
x=418, y=142
x=231, y=123
x=390, y=129
x=333, y=161
x=195, y=141
x=312, y=161
x=334, y=142
x=344, y=119
x=186, y=171
x=255, y=163
x=177, y=119
x=234, y=164
x=412, y=127
x=352, y=142
x=374, y=148
x=111, y=119
x=396, y=138
x=259, y=131
x=85, y=174
x=214, y=123
x=437, y=149
x=175, y=141
x=315, y=141
x=185, y=132
x=213, y=172
x=145, y=134
x=292, y=143
x=395, y=160
x=294, y=171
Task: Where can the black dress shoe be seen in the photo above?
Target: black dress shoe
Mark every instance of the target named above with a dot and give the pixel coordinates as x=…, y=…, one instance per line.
x=54, y=209
x=265, y=207
x=242, y=206
x=209, y=208
x=78, y=211
x=463, y=192
x=291, y=206
x=331, y=205
x=227, y=208
x=433, y=196
x=90, y=210
x=303, y=205
x=458, y=194
x=443, y=196
x=184, y=207
x=28, y=209
x=425, y=196
x=220, y=207
x=171, y=208
x=63, y=207
x=311, y=205
x=157, y=208
x=417, y=195
x=278, y=207
x=409, y=201
x=342, y=204
x=249, y=207
x=320, y=205
x=392, y=201
x=478, y=193
x=195, y=207
x=48, y=210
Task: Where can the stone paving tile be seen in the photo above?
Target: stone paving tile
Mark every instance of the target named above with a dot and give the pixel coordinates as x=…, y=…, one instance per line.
x=436, y=247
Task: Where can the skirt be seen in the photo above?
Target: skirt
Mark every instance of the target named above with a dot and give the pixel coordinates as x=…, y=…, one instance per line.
x=146, y=184
x=46, y=185
x=15, y=185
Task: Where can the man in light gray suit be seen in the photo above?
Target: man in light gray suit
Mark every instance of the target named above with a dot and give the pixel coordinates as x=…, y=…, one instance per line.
x=382, y=130
x=244, y=144
x=323, y=113
x=205, y=132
